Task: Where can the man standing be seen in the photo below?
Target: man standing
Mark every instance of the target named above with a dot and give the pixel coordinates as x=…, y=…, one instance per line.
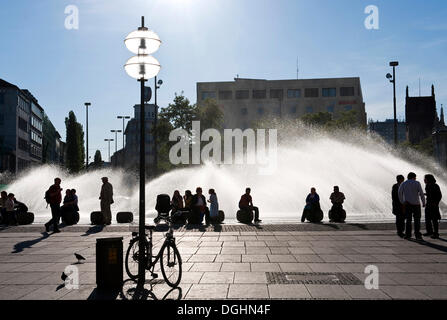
x=398, y=210
x=54, y=198
x=410, y=192
x=246, y=204
x=106, y=198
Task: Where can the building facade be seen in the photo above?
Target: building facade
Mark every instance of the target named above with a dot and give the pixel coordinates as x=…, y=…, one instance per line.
x=386, y=130
x=245, y=101
x=21, y=129
x=440, y=141
x=129, y=157
x=421, y=116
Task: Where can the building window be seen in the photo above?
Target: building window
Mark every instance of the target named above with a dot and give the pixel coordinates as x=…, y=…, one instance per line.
x=225, y=95
x=329, y=92
x=259, y=94
x=293, y=93
x=242, y=94
x=23, y=124
x=309, y=109
x=261, y=110
x=331, y=108
x=276, y=93
x=311, y=92
x=347, y=91
x=293, y=109
x=244, y=111
x=208, y=95
x=23, y=144
x=348, y=108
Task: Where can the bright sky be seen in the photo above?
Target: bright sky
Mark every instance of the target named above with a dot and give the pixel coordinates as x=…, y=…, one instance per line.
x=213, y=40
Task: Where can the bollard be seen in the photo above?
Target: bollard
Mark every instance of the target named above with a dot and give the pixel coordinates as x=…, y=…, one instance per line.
x=109, y=263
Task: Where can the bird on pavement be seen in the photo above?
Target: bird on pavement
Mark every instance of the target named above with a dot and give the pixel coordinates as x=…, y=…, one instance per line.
x=79, y=257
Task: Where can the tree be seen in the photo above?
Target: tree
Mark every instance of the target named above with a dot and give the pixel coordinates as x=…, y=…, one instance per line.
x=98, y=159
x=210, y=115
x=74, y=144
x=180, y=113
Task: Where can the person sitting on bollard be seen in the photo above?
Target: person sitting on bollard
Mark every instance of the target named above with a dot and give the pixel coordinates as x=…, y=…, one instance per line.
x=246, y=204
x=3, y=199
x=199, y=208
x=69, y=203
x=176, y=202
x=75, y=199
x=10, y=212
x=312, y=211
x=214, y=206
x=188, y=200
x=337, y=213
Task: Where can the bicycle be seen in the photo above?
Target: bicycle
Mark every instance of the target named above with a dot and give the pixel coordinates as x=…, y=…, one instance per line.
x=169, y=256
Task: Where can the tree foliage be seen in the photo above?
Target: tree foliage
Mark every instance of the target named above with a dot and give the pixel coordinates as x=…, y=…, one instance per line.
x=75, y=144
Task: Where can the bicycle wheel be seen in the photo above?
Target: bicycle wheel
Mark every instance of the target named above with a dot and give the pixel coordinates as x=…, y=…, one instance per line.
x=171, y=265
x=132, y=256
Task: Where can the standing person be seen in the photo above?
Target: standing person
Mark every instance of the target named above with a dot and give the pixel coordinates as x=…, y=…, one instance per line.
x=54, y=198
x=246, y=204
x=106, y=197
x=214, y=205
x=432, y=214
x=398, y=209
x=199, y=208
x=411, y=196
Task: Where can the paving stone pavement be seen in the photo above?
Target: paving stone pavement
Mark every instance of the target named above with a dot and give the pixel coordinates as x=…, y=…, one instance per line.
x=235, y=264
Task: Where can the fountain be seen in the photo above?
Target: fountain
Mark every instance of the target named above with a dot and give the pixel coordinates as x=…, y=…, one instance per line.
x=362, y=165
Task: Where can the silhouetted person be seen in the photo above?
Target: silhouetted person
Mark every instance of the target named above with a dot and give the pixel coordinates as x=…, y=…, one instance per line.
x=55, y=199
x=10, y=213
x=312, y=209
x=3, y=198
x=106, y=198
x=398, y=209
x=246, y=204
x=337, y=213
x=69, y=204
x=199, y=207
x=214, y=205
x=188, y=200
x=177, y=202
x=432, y=214
x=75, y=199
x=411, y=196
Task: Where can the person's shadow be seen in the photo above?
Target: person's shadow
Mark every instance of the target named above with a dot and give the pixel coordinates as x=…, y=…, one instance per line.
x=19, y=247
x=93, y=230
x=430, y=244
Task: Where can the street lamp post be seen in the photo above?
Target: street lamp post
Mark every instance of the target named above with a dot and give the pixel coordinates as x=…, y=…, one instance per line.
x=87, y=104
x=123, y=117
x=108, y=140
x=142, y=67
x=392, y=79
x=116, y=138
x=157, y=85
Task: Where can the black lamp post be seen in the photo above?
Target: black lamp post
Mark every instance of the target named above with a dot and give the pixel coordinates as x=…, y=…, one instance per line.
x=157, y=85
x=87, y=104
x=392, y=79
x=142, y=67
x=124, y=118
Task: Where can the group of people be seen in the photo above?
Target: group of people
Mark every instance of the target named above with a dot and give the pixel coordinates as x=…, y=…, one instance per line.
x=194, y=208
x=407, y=197
x=53, y=196
x=313, y=213
x=10, y=208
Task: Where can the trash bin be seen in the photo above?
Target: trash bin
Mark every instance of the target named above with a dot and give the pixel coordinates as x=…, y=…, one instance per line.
x=109, y=263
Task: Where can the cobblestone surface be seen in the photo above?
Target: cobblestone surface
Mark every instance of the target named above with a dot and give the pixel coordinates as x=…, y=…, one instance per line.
x=297, y=261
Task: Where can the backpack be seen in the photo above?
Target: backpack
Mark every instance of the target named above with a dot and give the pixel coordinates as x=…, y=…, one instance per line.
x=47, y=196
